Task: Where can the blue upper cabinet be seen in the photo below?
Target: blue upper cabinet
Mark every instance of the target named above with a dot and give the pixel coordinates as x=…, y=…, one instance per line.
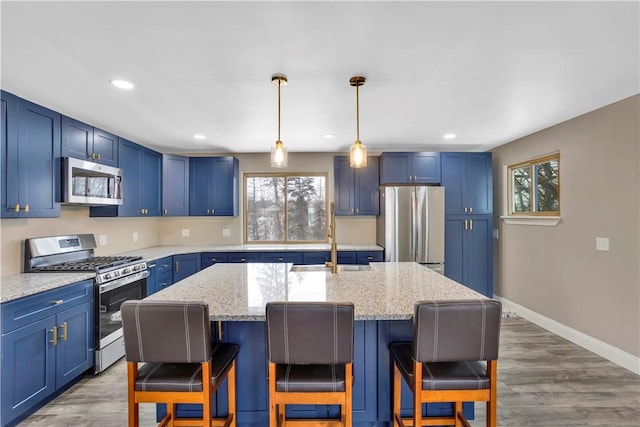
x=467, y=178
x=85, y=142
x=356, y=190
x=410, y=168
x=213, y=186
x=30, y=159
x=175, y=185
x=142, y=178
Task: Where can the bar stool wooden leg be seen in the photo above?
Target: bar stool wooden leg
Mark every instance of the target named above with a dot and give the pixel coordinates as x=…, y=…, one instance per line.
x=132, y=372
x=396, y=394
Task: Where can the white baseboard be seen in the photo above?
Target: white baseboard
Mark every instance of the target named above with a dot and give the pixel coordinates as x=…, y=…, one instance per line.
x=609, y=352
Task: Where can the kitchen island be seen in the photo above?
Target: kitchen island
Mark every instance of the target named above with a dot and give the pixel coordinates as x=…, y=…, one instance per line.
x=383, y=297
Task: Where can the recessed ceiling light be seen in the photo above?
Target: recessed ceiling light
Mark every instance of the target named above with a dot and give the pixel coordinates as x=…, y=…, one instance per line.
x=122, y=84
x=449, y=135
x=329, y=135
x=199, y=136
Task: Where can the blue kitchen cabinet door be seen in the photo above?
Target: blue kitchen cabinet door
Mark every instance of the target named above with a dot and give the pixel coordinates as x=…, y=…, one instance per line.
x=75, y=348
x=175, y=185
x=85, y=142
x=410, y=168
x=28, y=368
x=141, y=182
x=30, y=159
x=207, y=259
x=467, y=178
x=150, y=182
x=468, y=251
x=316, y=257
x=213, y=186
x=356, y=190
x=185, y=265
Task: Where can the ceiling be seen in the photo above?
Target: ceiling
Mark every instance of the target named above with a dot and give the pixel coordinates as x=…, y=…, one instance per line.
x=490, y=72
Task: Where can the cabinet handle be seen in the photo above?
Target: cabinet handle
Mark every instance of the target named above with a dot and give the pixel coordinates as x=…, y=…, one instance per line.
x=470, y=224
x=466, y=224
x=57, y=301
x=470, y=210
x=177, y=266
x=99, y=156
x=165, y=211
x=151, y=266
x=17, y=208
x=219, y=330
x=54, y=335
x=164, y=284
x=93, y=156
x=64, y=331
x=243, y=260
x=213, y=211
x=369, y=258
x=26, y=209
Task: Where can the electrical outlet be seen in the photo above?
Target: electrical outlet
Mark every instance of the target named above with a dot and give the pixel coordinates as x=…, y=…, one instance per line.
x=226, y=232
x=185, y=232
x=102, y=240
x=134, y=236
x=602, y=243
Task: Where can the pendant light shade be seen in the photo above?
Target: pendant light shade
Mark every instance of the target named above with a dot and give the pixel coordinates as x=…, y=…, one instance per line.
x=358, y=152
x=279, y=151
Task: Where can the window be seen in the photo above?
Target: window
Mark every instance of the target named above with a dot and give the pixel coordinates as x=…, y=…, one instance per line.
x=290, y=208
x=534, y=187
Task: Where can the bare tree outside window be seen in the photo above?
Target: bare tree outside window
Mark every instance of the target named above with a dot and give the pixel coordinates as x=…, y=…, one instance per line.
x=285, y=208
x=535, y=186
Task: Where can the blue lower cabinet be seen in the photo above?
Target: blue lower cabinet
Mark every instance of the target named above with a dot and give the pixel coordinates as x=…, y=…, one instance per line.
x=207, y=259
x=47, y=343
x=346, y=257
x=243, y=257
x=314, y=258
x=292, y=257
x=185, y=265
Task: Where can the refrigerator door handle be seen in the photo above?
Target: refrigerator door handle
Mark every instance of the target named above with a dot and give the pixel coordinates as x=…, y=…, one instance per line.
x=412, y=235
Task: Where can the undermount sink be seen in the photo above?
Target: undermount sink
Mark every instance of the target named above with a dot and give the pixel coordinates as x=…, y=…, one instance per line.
x=341, y=267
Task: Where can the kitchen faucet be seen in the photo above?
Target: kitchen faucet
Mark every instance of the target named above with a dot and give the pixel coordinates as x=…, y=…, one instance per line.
x=332, y=235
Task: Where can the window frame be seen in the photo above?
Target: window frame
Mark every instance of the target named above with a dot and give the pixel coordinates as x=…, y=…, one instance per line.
x=533, y=189
x=284, y=175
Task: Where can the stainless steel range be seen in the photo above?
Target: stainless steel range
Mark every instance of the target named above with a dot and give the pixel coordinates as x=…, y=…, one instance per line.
x=118, y=278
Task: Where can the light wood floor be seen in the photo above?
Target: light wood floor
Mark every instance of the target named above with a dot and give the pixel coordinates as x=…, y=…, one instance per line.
x=544, y=381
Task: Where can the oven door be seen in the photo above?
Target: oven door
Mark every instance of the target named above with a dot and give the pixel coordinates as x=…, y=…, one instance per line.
x=110, y=297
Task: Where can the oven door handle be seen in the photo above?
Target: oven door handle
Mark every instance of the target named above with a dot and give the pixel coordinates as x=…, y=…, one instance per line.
x=123, y=281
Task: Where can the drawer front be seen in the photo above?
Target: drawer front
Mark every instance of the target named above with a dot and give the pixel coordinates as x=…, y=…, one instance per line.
x=163, y=265
x=365, y=257
x=164, y=280
x=210, y=258
x=23, y=311
x=346, y=257
x=294, y=257
x=243, y=257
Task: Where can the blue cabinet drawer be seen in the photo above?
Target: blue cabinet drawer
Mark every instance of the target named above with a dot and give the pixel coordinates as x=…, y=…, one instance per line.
x=210, y=258
x=243, y=257
x=346, y=257
x=294, y=257
x=365, y=257
x=163, y=265
x=320, y=257
x=23, y=311
x=164, y=280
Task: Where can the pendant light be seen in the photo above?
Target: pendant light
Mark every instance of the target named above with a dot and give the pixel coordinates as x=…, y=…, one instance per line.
x=358, y=153
x=278, y=151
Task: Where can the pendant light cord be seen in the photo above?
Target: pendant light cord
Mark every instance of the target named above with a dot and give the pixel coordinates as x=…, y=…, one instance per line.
x=357, y=113
x=279, y=84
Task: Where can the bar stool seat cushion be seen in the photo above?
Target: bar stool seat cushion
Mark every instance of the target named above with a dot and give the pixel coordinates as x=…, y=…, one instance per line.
x=310, y=378
x=185, y=376
x=441, y=375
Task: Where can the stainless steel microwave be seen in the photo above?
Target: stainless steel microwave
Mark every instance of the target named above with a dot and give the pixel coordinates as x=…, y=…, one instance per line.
x=89, y=183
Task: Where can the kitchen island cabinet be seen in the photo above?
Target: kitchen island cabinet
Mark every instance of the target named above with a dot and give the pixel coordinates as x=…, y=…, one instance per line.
x=383, y=298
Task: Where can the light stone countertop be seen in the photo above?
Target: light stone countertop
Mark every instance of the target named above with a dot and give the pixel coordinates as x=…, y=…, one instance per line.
x=25, y=284
x=22, y=285
x=239, y=292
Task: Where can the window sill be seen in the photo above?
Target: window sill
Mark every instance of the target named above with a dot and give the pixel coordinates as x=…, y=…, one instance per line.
x=547, y=221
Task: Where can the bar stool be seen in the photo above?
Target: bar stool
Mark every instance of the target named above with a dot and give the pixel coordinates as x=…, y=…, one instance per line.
x=310, y=355
x=173, y=340
x=444, y=361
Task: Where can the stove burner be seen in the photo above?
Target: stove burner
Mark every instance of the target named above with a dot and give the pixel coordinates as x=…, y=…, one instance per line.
x=97, y=264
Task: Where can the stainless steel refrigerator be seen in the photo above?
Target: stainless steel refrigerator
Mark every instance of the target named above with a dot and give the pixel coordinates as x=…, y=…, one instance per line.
x=411, y=225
